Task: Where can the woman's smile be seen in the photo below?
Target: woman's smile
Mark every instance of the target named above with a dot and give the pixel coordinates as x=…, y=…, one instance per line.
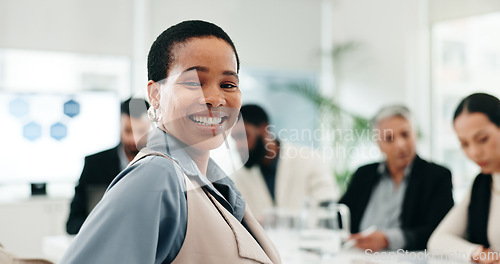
x=210, y=122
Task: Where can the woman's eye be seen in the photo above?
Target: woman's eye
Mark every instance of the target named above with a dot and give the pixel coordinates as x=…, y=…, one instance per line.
x=483, y=140
x=227, y=86
x=192, y=84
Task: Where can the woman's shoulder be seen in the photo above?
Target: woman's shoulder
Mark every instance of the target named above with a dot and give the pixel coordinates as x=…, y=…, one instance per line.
x=481, y=185
x=482, y=177
x=151, y=172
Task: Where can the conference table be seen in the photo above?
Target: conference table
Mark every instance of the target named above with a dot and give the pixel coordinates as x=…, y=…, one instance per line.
x=55, y=246
x=292, y=252
x=355, y=256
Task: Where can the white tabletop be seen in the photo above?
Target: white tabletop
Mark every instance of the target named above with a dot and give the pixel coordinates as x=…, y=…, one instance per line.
x=55, y=246
x=355, y=256
x=289, y=244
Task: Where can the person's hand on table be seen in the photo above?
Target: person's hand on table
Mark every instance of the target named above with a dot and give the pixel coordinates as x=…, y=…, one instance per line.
x=375, y=241
x=485, y=255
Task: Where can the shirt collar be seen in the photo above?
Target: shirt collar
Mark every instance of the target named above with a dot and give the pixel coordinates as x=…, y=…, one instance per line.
x=170, y=146
x=216, y=180
x=384, y=171
x=176, y=150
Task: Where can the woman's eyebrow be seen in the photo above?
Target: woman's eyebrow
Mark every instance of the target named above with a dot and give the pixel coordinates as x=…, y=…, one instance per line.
x=479, y=133
x=196, y=68
x=231, y=73
x=205, y=69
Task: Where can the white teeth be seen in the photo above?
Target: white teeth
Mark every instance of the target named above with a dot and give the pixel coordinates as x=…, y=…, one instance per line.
x=207, y=121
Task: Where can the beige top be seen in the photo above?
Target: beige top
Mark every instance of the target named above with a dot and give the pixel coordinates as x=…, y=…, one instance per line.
x=214, y=235
x=449, y=237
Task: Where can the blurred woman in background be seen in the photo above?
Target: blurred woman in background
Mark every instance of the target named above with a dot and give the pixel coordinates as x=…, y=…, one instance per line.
x=471, y=229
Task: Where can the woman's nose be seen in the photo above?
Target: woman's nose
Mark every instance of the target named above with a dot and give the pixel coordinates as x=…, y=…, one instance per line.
x=212, y=95
x=474, y=152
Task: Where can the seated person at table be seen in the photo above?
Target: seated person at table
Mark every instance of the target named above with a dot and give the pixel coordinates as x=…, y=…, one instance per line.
x=471, y=230
x=404, y=196
x=101, y=168
x=277, y=173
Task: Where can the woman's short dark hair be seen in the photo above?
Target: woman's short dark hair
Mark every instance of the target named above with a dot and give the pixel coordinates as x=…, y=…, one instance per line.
x=480, y=103
x=160, y=55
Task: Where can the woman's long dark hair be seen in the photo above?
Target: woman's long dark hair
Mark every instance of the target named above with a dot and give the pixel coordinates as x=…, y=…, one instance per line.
x=480, y=103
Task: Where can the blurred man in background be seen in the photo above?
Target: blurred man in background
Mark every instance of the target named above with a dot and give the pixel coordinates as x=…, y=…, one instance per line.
x=101, y=168
x=403, y=198
x=277, y=174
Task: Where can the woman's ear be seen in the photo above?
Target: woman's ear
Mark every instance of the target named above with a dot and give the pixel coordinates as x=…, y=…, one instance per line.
x=154, y=94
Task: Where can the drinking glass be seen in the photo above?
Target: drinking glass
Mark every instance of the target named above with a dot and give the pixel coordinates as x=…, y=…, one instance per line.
x=320, y=230
x=281, y=225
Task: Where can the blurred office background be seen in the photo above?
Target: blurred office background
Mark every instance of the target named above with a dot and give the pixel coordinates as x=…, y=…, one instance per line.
x=66, y=65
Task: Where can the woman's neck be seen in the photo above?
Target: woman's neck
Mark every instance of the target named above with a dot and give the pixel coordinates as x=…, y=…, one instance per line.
x=496, y=182
x=200, y=157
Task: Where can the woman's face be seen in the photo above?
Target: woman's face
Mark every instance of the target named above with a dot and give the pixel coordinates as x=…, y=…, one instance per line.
x=480, y=140
x=200, y=99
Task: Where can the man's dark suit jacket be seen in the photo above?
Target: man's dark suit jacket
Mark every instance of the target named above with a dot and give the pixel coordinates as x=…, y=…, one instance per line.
x=427, y=199
x=98, y=172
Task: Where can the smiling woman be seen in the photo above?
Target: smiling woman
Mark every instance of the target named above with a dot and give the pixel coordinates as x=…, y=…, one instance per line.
x=174, y=202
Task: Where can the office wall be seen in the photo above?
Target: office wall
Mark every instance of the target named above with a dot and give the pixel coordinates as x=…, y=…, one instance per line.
x=91, y=26
x=278, y=34
x=275, y=34
x=384, y=32
x=451, y=9
x=390, y=61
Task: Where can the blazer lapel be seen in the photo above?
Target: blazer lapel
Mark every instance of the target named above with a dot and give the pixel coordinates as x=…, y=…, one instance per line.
x=258, y=232
x=412, y=190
